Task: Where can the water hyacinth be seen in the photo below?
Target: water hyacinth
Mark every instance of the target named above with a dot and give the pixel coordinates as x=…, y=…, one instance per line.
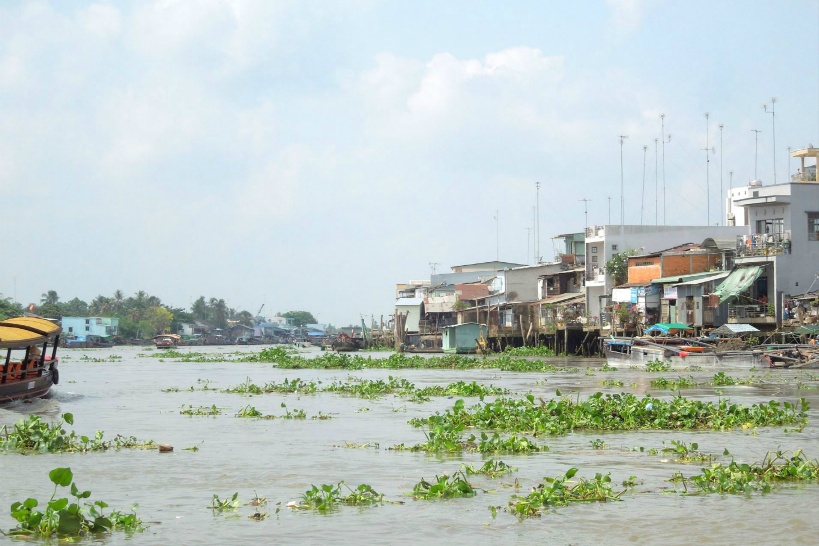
x=622, y=411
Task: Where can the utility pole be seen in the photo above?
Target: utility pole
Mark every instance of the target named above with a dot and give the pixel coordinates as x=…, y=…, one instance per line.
x=622, y=187
x=528, y=235
x=656, y=178
x=497, y=237
x=721, y=197
x=756, y=150
x=586, y=212
x=707, y=181
x=537, y=222
x=662, y=138
x=773, y=120
x=643, y=200
x=609, y=209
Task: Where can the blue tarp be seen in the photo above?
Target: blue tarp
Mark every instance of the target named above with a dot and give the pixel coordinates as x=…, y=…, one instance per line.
x=668, y=327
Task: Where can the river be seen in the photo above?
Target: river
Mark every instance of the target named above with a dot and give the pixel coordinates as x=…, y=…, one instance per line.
x=123, y=390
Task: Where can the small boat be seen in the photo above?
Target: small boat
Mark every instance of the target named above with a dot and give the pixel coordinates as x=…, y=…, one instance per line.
x=167, y=341
x=677, y=352
x=792, y=356
x=28, y=371
x=346, y=344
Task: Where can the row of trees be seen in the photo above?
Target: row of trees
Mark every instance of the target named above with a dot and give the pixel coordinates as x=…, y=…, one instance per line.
x=142, y=315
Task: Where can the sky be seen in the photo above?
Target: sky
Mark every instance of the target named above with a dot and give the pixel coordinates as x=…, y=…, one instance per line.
x=309, y=155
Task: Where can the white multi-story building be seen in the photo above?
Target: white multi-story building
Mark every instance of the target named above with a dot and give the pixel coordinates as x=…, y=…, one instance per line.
x=783, y=233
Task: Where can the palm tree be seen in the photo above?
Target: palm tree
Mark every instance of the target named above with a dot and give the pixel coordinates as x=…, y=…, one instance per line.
x=117, y=301
x=50, y=297
x=219, y=308
x=101, y=306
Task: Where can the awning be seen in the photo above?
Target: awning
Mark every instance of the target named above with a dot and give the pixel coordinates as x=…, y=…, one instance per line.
x=737, y=282
x=668, y=327
x=733, y=329
x=704, y=280
x=566, y=297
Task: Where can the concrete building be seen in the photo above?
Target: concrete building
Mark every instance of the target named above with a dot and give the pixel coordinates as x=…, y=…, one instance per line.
x=783, y=235
x=603, y=242
x=96, y=326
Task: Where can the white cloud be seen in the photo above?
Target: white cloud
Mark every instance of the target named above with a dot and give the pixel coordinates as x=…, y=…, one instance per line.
x=627, y=15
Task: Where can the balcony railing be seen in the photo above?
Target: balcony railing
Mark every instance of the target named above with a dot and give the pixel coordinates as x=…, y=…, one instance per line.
x=748, y=311
x=762, y=244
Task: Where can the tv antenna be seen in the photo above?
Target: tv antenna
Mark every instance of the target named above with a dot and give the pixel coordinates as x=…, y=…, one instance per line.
x=432, y=266
x=756, y=150
x=585, y=211
x=773, y=120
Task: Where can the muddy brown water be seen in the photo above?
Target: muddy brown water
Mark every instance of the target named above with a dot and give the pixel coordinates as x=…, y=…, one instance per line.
x=280, y=459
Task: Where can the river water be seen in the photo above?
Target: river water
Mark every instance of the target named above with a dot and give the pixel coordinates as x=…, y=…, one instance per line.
x=125, y=391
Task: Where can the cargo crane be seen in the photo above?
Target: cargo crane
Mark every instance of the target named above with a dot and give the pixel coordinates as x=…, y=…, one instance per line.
x=259, y=314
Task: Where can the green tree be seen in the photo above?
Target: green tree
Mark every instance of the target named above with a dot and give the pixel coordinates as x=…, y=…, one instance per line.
x=101, y=306
x=617, y=266
x=50, y=310
x=159, y=318
x=245, y=318
x=9, y=308
x=117, y=301
x=74, y=308
x=219, y=312
x=200, y=309
x=49, y=297
x=300, y=318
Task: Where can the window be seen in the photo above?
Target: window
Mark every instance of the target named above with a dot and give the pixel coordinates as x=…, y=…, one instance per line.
x=813, y=226
x=643, y=264
x=594, y=259
x=614, y=248
x=772, y=226
x=594, y=250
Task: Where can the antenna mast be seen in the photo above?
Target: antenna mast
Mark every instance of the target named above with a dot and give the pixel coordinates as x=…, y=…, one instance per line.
x=537, y=223
x=756, y=150
x=643, y=200
x=622, y=187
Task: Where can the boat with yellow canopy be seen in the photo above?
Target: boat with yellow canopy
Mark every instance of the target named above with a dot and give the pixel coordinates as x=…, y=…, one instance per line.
x=28, y=348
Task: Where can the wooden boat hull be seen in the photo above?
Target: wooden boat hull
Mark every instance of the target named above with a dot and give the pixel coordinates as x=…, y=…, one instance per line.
x=36, y=387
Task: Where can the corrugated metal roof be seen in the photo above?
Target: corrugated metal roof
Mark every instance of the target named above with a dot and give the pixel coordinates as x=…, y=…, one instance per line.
x=682, y=278
x=728, y=329
x=703, y=280
x=564, y=298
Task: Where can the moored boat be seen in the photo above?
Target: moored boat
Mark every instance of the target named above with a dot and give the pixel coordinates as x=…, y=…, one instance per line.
x=167, y=341
x=28, y=371
x=639, y=351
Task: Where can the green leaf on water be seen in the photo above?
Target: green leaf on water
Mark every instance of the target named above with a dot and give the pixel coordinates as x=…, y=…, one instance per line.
x=61, y=476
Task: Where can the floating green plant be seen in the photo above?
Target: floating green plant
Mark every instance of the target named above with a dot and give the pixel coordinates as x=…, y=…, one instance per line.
x=558, y=492
x=657, y=366
x=674, y=384
x=541, y=350
x=228, y=503
x=687, y=453
x=34, y=435
x=328, y=497
x=66, y=518
x=208, y=411
x=491, y=468
x=444, y=487
x=775, y=468
x=622, y=411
